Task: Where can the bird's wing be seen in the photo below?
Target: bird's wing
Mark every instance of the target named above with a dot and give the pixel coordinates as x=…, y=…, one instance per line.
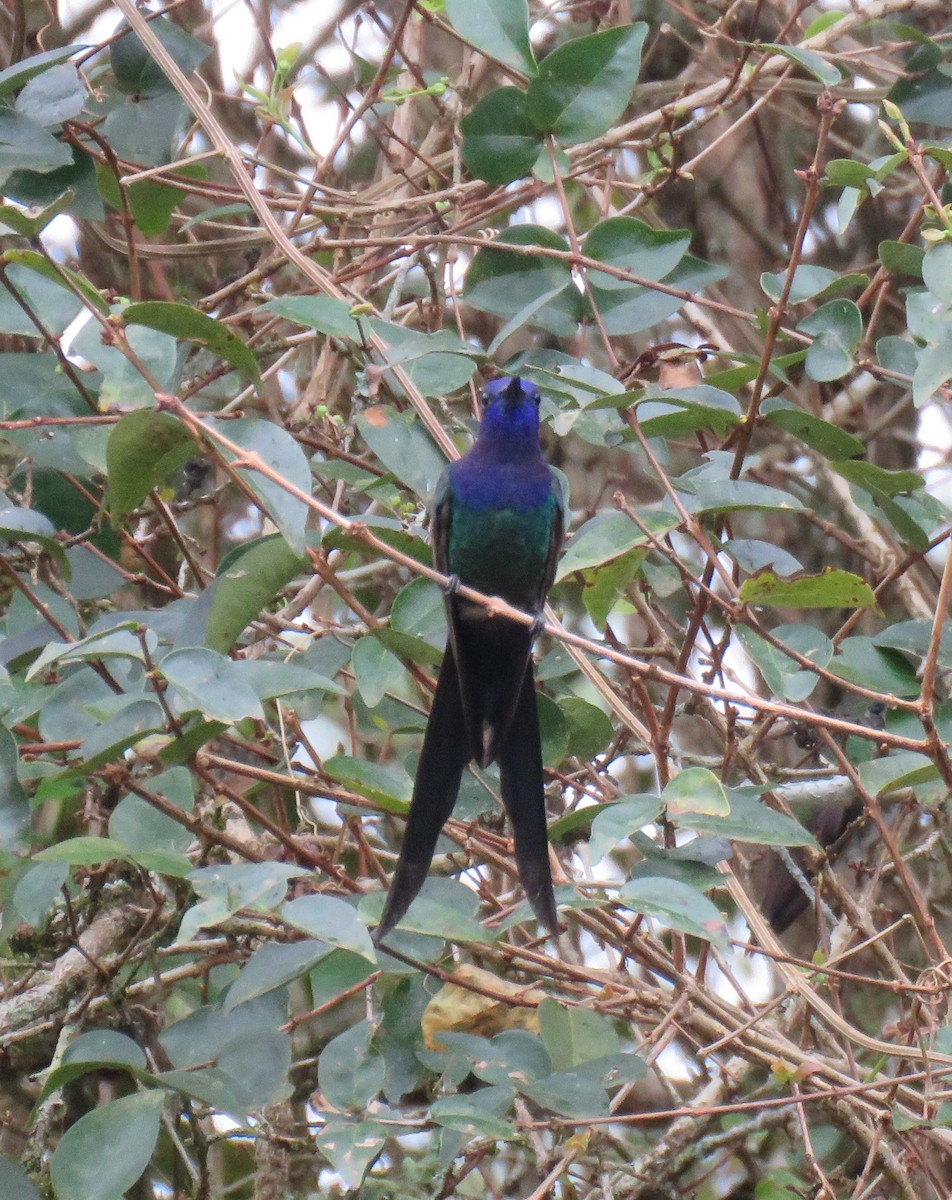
x=522, y=786
x=444, y=755
x=441, y=515
x=466, y=673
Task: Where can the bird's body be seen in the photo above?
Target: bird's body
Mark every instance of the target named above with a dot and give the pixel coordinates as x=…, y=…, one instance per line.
x=498, y=527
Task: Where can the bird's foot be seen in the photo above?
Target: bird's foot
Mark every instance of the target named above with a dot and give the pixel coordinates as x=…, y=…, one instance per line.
x=452, y=585
x=537, y=626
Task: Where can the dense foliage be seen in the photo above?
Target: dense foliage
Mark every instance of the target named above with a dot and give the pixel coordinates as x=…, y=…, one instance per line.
x=256, y=263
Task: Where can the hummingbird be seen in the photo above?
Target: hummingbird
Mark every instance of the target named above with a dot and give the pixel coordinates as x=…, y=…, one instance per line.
x=497, y=527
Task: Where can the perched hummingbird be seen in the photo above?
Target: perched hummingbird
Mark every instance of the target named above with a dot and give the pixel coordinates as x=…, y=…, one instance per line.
x=497, y=527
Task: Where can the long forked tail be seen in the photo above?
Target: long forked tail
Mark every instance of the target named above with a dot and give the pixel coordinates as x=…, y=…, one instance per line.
x=444, y=755
x=522, y=785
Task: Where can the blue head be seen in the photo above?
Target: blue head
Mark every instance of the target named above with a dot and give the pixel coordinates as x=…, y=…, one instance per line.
x=510, y=415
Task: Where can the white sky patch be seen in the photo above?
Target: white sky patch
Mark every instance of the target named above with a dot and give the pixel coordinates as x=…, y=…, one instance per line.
x=935, y=436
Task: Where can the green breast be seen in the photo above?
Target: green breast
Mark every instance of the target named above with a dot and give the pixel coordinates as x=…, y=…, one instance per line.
x=500, y=551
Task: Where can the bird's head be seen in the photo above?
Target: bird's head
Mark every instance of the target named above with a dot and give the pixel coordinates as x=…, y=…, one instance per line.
x=511, y=408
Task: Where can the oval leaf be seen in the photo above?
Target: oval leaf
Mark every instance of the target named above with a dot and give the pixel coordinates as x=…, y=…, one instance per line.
x=81, y=1169
x=500, y=142
x=500, y=28
x=143, y=450
x=584, y=86
x=833, y=589
x=192, y=325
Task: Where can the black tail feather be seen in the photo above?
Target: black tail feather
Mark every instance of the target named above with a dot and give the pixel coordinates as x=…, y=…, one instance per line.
x=444, y=755
x=522, y=784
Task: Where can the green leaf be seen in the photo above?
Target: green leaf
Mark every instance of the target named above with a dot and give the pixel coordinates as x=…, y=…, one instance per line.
x=336, y=974
x=678, y=905
x=812, y=62
x=257, y=1068
x=19, y=73
x=26, y=146
x=860, y=661
x=933, y=371
x=513, y=1057
x=847, y=172
x=226, y=889
x=31, y=225
x=681, y=411
x=574, y=1035
x=506, y=282
x=247, y=586
x=376, y=670
x=584, y=86
x=827, y=439
x=404, y=447
x=695, y=790
x=330, y=920
x=140, y=828
x=188, y=324
x=588, y=729
x=129, y=1127
x=52, y=97
x=500, y=142
x=38, y=265
x=350, y=1147
x=752, y=555
x=607, y=536
x=144, y=449
x=877, y=480
x=437, y=362
x=782, y=674
x=637, y=308
x=553, y=728
x=419, y=610
x=387, y=785
x=105, y=1046
x=443, y=909
x=350, y=1072
x=206, y=682
x=620, y=820
x=837, y=328
x=471, y=1115
x=150, y=202
x=208, y=1030
x=571, y=1094
x=208, y=1086
x=937, y=271
x=631, y=245
x=278, y=450
x=272, y=966
x=901, y=258
x=809, y=282
x=28, y=525
x=750, y=821
x=138, y=73
x=15, y=1184
x=728, y=495
x=326, y=314
x=14, y=807
x=39, y=890
x=834, y=588
x=500, y=28
x=902, y=769
x=915, y=637
x=604, y=586
x=82, y=851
